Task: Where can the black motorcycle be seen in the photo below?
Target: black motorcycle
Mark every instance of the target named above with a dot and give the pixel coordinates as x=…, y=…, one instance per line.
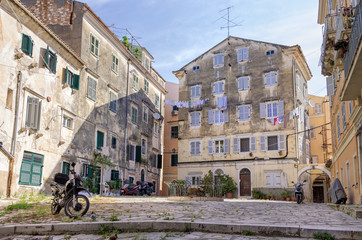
x=66, y=194
x=145, y=188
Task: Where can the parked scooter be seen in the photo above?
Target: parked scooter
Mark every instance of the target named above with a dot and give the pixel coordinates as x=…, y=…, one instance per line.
x=298, y=191
x=146, y=188
x=130, y=190
x=66, y=194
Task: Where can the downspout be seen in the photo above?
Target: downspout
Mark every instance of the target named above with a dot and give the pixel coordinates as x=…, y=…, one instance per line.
x=295, y=119
x=126, y=123
x=14, y=138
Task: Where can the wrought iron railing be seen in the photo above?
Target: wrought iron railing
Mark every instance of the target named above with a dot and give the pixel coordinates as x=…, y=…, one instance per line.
x=354, y=40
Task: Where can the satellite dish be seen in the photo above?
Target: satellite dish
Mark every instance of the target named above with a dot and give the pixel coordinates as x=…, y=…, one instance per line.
x=156, y=116
x=311, y=103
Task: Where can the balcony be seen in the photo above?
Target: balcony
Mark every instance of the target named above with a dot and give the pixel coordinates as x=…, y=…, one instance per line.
x=353, y=60
x=330, y=27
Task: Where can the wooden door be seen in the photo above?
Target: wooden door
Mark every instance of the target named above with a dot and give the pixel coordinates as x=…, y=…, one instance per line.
x=245, y=182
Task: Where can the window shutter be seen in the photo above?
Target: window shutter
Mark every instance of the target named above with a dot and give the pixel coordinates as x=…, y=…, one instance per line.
x=192, y=148
x=226, y=145
x=198, y=120
x=226, y=115
x=330, y=86
x=236, y=145
x=138, y=153
x=100, y=139
x=262, y=143
x=197, y=148
x=215, y=88
x=281, y=142
x=29, y=112
x=54, y=66
x=222, y=87
x=252, y=144
x=273, y=80
x=269, y=180
x=211, y=116
x=245, y=54
x=75, y=83
x=38, y=114
x=247, y=115
x=24, y=43
x=246, y=83
x=90, y=171
x=267, y=79
x=240, y=54
x=47, y=58
x=240, y=113
x=262, y=110
x=197, y=91
x=240, y=84
x=277, y=180
x=66, y=80
x=210, y=147
x=193, y=92
x=280, y=109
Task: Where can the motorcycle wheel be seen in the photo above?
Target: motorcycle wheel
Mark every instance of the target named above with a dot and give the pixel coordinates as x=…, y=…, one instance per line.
x=55, y=208
x=81, y=206
x=299, y=199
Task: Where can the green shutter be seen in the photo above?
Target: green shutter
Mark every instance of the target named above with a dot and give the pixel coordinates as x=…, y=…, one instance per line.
x=75, y=83
x=159, y=161
x=100, y=137
x=138, y=154
x=90, y=171
x=31, y=169
x=47, y=58
x=54, y=67
x=65, y=169
x=27, y=45
x=30, y=47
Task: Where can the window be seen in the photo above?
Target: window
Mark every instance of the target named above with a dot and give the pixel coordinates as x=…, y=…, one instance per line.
x=350, y=107
x=100, y=140
x=174, y=132
x=114, y=142
x=134, y=115
x=114, y=175
x=194, y=181
x=135, y=82
x=143, y=146
x=270, y=79
x=338, y=127
x=269, y=53
x=112, y=101
x=218, y=116
x=272, y=143
x=114, y=66
x=85, y=168
x=132, y=153
x=219, y=87
x=196, y=68
x=355, y=168
x=300, y=145
x=342, y=176
x=9, y=99
x=154, y=186
x=244, y=113
x=271, y=109
x=31, y=169
x=273, y=179
x=318, y=108
x=145, y=114
x=131, y=179
x=27, y=45
x=348, y=175
x=33, y=113
x=195, y=91
x=244, y=144
x=195, y=148
x=71, y=79
x=174, y=160
x=92, y=88
x=155, y=128
x=218, y=146
x=94, y=45
x=67, y=122
x=146, y=86
x=174, y=108
x=312, y=132
x=314, y=159
x=344, y=123
x=51, y=60
x=219, y=60
x=298, y=81
x=65, y=168
x=157, y=100
x=243, y=54
x=195, y=119
x=243, y=83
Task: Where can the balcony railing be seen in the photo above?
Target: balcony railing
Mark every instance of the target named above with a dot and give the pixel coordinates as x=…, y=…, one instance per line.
x=354, y=39
x=330, y=27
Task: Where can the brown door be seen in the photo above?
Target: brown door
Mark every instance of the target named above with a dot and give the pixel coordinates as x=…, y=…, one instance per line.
x=245, y=182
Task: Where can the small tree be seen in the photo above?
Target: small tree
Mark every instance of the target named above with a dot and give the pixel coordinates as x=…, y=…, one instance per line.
x=228, y=184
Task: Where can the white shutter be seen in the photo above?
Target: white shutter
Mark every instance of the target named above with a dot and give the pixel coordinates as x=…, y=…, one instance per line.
x=198, y=120
x=240, y=84
x=252, y=144
x=262, y=143
x=273, y=78
x=246, y=83
x=210, y=147
x=281, y=142
x=330, y=86
x=197, y=91
x=280, y=109
x=267, y=79
x=277, y=180
x=197, y=148
x=236, y=144
x=269, y=180
x=245, y=54
x=226, y=115
x=226, y=145
x=192, y=148
x=262, y=110
x=193, y=92
x=192, y=116
x=211, y=116
x=240, y=54
x=247, y=112
x=240, y=113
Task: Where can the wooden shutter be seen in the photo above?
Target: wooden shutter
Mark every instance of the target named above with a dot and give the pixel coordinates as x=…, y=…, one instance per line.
x=90, y=171
x=236, y=145
x=247, y=112
x=138, y=153
x=54, y=66
x=281, y=142
x=47, y=57
x=226, y=145
x=262, y=143
x=240, y=84
x=222, y=87
x=75, y=82
x=280, y=109
x=252, y=144
x=211, y=147
x=262, y=110
x=100, y=140
x=240, y=54
x=66, y=78
x=211, y=116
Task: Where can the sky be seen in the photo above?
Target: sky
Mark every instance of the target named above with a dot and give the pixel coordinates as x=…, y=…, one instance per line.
x=177, y=31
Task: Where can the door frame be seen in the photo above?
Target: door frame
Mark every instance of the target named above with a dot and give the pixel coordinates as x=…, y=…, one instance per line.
x=251, y=180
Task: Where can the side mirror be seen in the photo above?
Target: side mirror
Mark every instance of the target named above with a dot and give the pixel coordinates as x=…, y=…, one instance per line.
x=293, y=182
x=73, y=164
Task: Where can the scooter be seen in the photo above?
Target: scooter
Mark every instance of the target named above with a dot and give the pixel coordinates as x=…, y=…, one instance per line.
x=298, y=191
x=146, y=188
x=130, y=190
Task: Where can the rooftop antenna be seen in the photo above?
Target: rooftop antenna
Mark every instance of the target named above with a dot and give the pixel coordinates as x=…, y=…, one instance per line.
x=227, y=18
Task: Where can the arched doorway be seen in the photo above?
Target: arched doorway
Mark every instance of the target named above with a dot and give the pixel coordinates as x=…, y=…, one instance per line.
x=142, y=175
x=245, y=182
x=320, y=187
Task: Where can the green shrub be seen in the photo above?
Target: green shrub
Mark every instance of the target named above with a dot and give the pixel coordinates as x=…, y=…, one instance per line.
x=323, y=236
x=18, y=206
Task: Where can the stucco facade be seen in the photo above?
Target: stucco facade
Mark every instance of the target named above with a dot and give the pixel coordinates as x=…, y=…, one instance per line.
x=243, y=127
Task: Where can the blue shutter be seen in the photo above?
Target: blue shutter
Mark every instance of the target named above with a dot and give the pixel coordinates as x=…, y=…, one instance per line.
x=252, y=144
x=211, y=147
x=211, y=116
x=245, y=54
x=236, y=145
x=262, y=110
x=262, y=143
x=280, y=109
x=226, y=145
x=226, y=115
x=281, y=142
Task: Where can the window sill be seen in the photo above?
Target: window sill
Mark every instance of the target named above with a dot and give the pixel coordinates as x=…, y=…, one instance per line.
x=93, y=100
x=94, y=55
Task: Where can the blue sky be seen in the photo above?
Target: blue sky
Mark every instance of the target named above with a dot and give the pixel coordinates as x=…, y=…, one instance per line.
x=177, y=31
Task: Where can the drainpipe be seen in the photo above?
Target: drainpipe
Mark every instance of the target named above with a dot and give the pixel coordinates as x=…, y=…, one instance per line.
x=126, y=123
x=295, y=119
x=14, y=138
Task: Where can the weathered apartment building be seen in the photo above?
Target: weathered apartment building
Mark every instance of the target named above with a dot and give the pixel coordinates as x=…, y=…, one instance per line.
x=110, y=103
x=244, y=112
x=341, y=63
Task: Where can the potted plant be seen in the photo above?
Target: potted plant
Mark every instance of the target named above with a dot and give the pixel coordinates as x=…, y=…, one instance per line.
x=280, y=152
x=228, y=185
x=341, y=47
x=283, y=195
x=256, y=194
x=250, y=154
